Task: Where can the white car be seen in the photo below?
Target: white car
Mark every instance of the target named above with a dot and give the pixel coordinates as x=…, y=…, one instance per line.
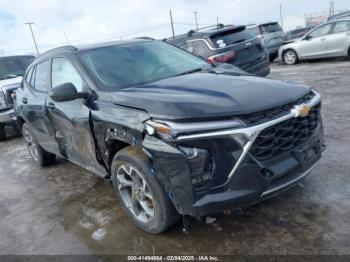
x=328, y=40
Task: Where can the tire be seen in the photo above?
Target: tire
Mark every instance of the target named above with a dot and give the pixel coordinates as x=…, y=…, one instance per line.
x=290, y=57
x=2, y=132
x=37, y=153
x=272, y=57
x=134, y=182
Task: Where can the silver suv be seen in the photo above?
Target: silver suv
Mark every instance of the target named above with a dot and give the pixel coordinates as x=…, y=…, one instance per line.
x=328, y=40
x=272, y=34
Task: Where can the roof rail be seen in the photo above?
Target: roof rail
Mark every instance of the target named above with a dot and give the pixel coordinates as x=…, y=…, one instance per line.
x=61, y=48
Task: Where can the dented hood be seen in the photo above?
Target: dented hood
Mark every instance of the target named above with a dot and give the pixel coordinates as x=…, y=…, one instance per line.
x=204, y=95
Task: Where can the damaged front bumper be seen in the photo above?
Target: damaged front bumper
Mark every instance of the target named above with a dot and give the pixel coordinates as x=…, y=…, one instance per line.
x=208, y=172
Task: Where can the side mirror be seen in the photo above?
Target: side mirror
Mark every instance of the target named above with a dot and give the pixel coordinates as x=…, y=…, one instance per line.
x=66, y=92
x=307, y=37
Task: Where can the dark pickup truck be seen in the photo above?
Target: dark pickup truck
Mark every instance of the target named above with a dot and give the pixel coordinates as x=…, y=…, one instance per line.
x=176, y=135
x=12, y=69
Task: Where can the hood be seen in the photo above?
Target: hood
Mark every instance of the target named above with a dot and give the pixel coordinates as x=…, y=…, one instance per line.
x=205, y=95
x=10, y=81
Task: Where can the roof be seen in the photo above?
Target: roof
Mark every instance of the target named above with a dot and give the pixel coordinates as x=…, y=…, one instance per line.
x=81, y=47
x=339, y=16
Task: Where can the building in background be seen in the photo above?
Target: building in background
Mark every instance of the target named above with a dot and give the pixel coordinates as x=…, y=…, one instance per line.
x=293, y=22
x=315, y=19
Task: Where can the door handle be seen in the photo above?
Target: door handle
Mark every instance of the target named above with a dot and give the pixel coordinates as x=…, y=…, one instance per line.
x=24, y=100
x=51, y=106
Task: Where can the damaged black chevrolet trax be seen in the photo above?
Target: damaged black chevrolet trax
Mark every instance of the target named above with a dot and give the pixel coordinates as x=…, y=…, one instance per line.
x=175, y=135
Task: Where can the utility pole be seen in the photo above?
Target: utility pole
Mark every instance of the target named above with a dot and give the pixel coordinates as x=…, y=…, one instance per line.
x=31, y=30
x=172, y=24
x=195, y=17
x=281, y=17
x=331, y=8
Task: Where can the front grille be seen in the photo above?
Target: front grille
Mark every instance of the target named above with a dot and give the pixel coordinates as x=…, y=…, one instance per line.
x=274, y=113
x=285, y=136
x=9, y=97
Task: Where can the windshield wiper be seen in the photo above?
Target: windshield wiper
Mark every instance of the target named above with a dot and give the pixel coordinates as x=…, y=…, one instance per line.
x=190, y=71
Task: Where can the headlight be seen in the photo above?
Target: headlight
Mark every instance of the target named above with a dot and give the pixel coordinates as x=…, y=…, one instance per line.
x=171, y=129
x=3, y=104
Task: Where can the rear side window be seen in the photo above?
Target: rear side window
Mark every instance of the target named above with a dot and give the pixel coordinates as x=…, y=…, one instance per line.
x=231, y=37
x=42, y=76
x=342, y=26
x=198, y=48
x=271, y=28
x=29, y=74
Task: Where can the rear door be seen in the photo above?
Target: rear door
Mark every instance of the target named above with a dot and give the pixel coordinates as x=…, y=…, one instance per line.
x=316, y=46
x=32, y=102
x=338, y=40
x=71, y=119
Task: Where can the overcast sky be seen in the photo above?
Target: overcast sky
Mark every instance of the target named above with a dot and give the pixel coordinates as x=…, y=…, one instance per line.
x=58, y=22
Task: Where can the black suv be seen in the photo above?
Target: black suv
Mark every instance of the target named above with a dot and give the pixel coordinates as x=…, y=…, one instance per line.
x=227, y=44
x=12, y=69
x=175, y=134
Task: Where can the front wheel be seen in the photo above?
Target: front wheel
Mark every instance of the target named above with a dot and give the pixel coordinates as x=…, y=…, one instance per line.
x=37, y=153
x=290, y=57
x=2, y=132
x=142, y=197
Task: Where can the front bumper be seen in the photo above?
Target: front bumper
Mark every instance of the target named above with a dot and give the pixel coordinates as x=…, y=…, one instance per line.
x=239, y=178
x=7, y=116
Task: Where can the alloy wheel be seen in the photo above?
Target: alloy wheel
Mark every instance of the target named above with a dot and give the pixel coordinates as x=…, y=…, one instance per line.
x=290, y=57
x=135, y=193
x=31, y=145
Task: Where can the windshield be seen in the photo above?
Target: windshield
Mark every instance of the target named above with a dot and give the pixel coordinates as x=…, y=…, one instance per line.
x=13, y=66
x=130, y=64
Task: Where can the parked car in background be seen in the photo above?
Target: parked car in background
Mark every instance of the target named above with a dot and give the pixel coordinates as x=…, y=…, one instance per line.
x=175, y=134
x=297, y=33
x=226, y=44
x=272, y=34
x=328, y=40
x=340, y=16
x=12, y=69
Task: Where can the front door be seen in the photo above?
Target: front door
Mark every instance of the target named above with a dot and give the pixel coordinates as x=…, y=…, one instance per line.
x=71, y=119
x=32, y=102
x=316, y=45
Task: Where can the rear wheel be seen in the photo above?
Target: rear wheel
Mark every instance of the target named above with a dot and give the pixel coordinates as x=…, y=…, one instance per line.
x=290, y=57
x=37, y=153
x=142, y=197
x=2, y=132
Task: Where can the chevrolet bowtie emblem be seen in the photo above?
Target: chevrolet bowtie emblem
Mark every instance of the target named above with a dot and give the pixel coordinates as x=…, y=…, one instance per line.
x=301, y=110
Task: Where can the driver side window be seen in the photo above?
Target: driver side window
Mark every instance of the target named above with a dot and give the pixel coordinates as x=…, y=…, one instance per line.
x=323, y=30
x=64, y=72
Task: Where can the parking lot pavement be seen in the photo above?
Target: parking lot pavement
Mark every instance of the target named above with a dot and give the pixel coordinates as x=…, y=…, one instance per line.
x=64, y=209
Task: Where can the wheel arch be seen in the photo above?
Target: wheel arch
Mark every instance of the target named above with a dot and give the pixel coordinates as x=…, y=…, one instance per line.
x=290, y=49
